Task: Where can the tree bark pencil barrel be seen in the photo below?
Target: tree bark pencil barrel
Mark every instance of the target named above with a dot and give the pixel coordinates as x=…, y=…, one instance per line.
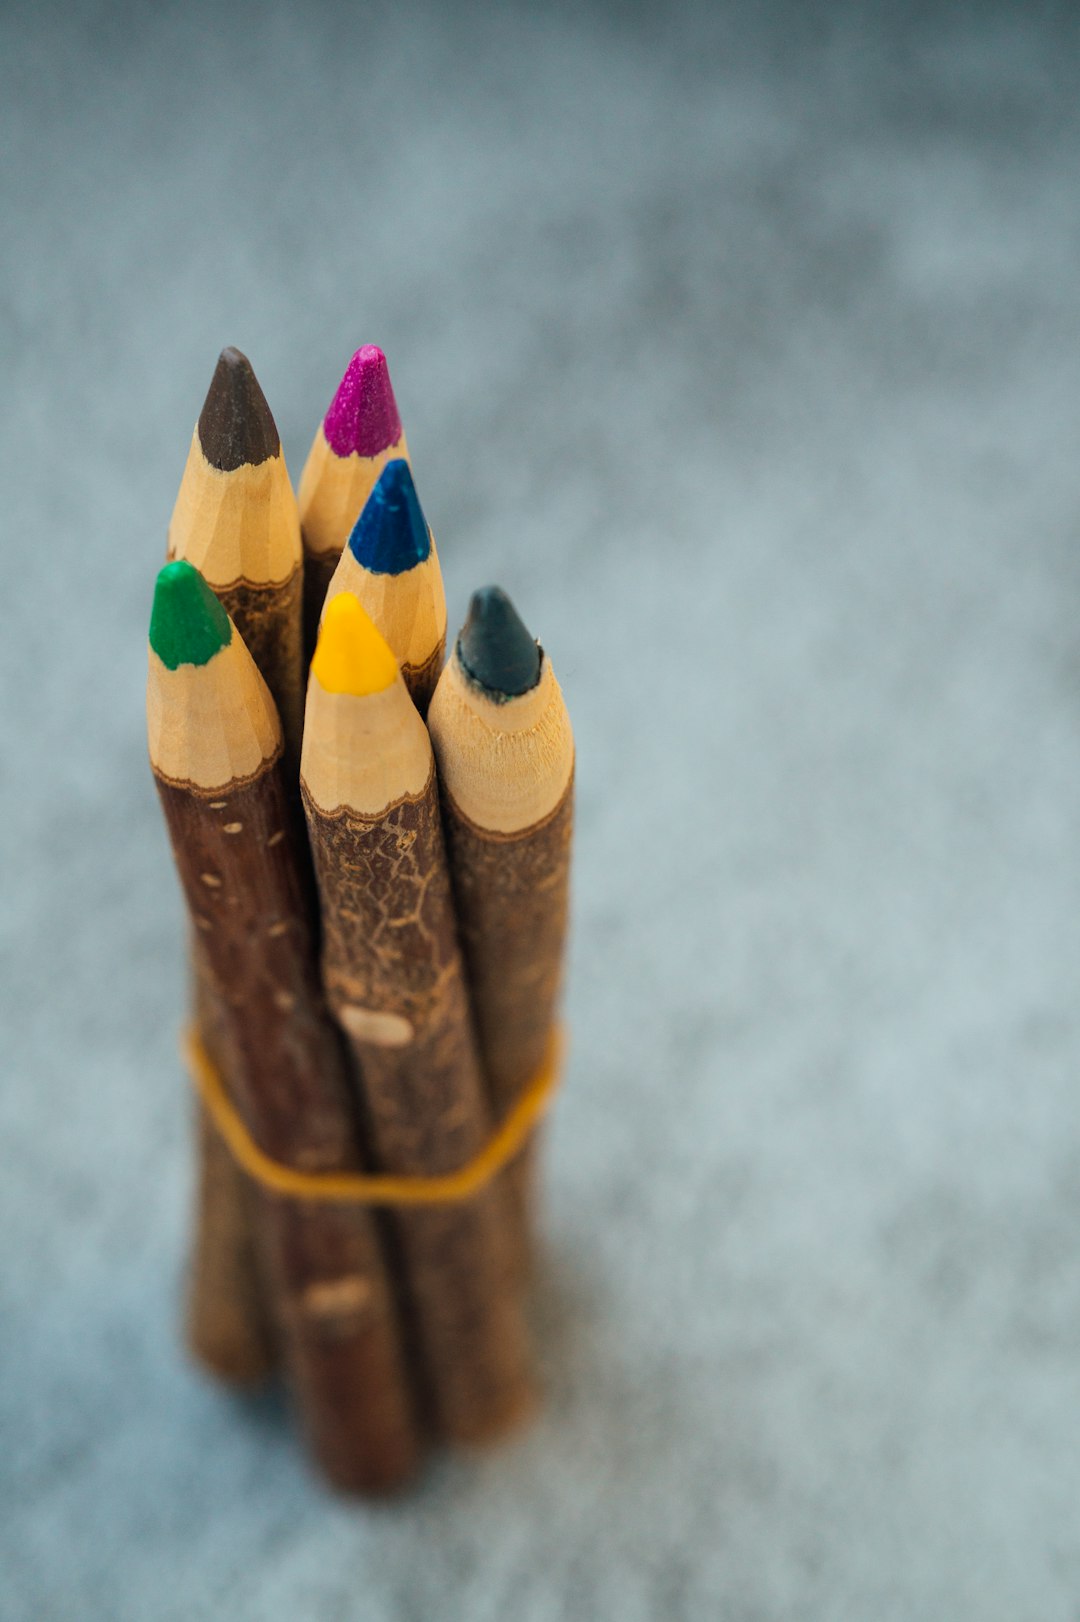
x=229, y=1323
x=236, y=520
x=216, y=752
x=505, y=755
x=393, y=974
x=360, y=433
x=390, y=563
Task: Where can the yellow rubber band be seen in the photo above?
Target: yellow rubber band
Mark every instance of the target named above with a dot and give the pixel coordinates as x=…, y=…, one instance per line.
x=357, y=1188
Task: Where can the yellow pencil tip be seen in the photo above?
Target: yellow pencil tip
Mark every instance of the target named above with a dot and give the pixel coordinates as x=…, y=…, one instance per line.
x=351, y=656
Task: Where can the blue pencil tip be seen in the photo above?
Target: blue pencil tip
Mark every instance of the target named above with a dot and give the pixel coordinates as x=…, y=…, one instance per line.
x=391, y=534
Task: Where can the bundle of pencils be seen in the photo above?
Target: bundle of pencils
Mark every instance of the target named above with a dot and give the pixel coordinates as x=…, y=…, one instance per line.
x=376, y=882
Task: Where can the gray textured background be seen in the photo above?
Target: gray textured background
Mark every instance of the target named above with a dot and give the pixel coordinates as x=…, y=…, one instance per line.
x=741, y=345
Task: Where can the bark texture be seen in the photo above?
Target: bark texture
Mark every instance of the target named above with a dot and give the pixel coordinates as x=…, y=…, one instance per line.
x=318, y=572
x=236, y=851
x=270, y=620
x=512, y=897
x=421, y=680
x=393, y=973
x=227, y=1314
x=228, y=1324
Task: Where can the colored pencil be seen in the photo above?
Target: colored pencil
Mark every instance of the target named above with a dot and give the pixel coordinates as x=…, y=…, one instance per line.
x=391, y=565
x=360, y=433
x=505, y=755
x=235, y=519
x=393, y=974
x=216, y=749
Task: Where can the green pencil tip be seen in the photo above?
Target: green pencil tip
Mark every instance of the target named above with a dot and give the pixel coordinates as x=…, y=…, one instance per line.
x=187, y=623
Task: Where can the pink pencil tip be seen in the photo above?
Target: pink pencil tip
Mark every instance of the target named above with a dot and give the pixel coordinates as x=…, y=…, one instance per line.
x=363, y=416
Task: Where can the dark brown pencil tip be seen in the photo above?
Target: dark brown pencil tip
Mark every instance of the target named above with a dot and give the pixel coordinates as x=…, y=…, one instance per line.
x=236, y=424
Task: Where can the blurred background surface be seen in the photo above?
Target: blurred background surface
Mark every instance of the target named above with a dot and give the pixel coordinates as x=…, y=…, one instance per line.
x=740, y=345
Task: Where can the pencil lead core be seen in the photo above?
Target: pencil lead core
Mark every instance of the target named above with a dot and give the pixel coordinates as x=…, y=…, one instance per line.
x=351, y=656
x=363, y=416
x=236, y=424
x=391, y=534
x=187, y=623
x=495, y=648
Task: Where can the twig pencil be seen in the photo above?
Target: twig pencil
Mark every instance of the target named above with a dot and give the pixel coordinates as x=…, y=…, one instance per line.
x=391, y=565
x=229, y=1321
x=216, y=752
x=360, y=433
x=394, y=978
x=505, y=755
x=235, y=519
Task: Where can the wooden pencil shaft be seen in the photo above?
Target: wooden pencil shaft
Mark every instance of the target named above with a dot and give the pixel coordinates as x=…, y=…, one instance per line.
x=506, y=780
x=236, y=853
x=512, y=898
x=394, y=978
x=318, y=572
x=229, y=1329
x=506, y=771
x=236, y=849
x=235, y=518
x=422, y=679
x=270, y=620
